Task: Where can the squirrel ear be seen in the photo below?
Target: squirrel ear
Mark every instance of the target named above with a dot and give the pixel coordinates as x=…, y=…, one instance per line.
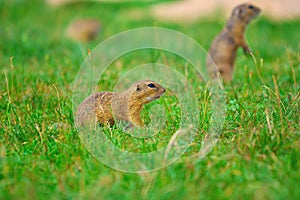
x=138, y=88
x=237, y=12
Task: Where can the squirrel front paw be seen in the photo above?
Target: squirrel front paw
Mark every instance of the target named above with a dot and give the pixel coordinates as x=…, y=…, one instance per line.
x=247, y=50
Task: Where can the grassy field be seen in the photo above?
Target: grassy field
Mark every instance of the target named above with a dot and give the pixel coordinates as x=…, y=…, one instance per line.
x=42, y=157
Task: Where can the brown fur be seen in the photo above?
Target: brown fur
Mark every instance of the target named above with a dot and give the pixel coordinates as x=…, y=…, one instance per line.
x=106, y=107
x=224, y=47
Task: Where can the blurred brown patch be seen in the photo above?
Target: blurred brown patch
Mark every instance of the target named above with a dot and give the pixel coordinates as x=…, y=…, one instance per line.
x=192, y=10
x=83, y=30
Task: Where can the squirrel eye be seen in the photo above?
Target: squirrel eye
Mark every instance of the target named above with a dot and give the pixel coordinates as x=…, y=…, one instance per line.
x=250, y=7
x=151, y=85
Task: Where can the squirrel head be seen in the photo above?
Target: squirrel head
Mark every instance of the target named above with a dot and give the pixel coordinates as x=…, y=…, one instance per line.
x=146, y=91
x=245, y=13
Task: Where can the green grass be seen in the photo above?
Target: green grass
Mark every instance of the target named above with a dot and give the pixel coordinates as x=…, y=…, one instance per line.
x=42, y=157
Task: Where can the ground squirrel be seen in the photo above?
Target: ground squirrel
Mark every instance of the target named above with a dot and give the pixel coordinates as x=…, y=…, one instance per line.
x=224, y=47
x=123, y=106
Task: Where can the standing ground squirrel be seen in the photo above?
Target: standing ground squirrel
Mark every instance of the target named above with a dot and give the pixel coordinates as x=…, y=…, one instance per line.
x=123, y=106
x=224, y=47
